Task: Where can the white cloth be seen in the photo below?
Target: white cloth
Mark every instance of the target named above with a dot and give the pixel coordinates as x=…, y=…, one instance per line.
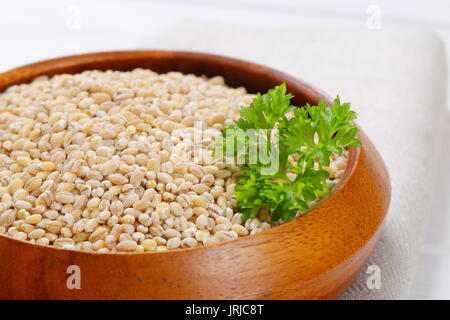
x=395, y=79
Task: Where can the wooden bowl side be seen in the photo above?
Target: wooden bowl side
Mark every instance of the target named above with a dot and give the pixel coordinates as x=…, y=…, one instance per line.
x=314, y=257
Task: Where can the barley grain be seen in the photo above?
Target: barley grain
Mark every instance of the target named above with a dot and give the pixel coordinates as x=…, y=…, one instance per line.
x=110, y=161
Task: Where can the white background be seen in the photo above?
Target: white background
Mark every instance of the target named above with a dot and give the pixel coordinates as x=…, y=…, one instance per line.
x=35, y=30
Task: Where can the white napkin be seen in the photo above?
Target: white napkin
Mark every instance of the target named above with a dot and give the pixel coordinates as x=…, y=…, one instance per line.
x=395, y=79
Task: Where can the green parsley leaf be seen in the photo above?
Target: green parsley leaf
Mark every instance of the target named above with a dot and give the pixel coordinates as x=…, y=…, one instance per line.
x=267, y=143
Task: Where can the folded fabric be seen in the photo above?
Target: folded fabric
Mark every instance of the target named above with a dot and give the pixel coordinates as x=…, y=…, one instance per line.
x=395, y=79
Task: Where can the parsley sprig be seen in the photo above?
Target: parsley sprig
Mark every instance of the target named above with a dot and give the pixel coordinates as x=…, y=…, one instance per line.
x=301, y=143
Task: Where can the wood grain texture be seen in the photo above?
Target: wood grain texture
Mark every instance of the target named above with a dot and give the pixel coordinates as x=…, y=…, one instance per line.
x=316, y=256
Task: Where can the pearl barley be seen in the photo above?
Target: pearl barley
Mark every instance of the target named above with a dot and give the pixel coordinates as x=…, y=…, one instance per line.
x=105, y=161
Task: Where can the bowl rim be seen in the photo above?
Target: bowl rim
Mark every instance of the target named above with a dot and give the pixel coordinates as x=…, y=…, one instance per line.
x=353, y=153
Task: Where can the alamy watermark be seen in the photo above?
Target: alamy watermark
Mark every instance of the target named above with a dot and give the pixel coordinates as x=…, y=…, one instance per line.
x=373, y=21
x=73, y=21
x=374, y=280
x=74, y=280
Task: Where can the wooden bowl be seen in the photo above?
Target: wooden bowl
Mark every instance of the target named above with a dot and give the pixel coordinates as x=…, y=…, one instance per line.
x=316, y=256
